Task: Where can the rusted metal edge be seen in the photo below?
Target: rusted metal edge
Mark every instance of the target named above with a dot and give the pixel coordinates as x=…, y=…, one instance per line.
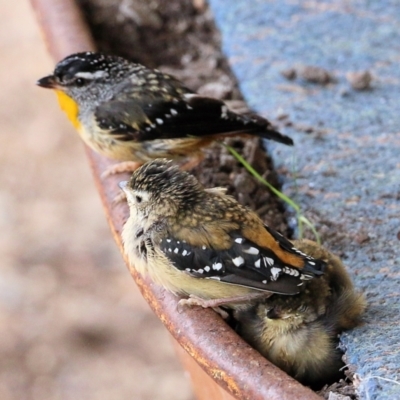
x=221, y=353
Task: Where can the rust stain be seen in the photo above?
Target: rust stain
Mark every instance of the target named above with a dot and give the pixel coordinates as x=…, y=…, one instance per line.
x=215, y=373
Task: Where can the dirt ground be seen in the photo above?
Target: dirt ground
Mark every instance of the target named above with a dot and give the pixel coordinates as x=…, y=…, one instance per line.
x=72, y=323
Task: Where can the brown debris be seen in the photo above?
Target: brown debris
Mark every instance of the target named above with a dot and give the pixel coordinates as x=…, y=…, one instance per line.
x=317, y=75
x=341, y=390
x=360, y=80
x=290, y=74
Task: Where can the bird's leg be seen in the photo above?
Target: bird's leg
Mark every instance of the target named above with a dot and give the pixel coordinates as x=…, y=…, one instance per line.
x=212, y=303
x=188, y=303
x=126, y=166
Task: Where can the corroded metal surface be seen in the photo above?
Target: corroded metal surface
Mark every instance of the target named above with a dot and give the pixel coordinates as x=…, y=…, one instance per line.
x=64, y=30
x=222, y=354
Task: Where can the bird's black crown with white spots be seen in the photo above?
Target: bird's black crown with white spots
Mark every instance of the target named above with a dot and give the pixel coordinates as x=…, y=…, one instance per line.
x=164, y=180
x=94, y=66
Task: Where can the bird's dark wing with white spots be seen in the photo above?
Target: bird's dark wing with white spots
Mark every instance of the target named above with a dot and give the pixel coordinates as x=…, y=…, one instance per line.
x=244, y=264
x=311, y=265
x=189, y=115
x=123, y=118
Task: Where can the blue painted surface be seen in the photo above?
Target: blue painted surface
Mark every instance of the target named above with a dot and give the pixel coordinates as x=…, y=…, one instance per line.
x=348, y=175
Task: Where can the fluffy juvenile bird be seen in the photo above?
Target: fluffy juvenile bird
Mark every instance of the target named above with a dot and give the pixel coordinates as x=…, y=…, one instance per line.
x=131, y=113
x=204, y=244
x=299, y=333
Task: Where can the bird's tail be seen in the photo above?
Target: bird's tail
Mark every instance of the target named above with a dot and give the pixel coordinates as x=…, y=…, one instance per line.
x=263, y=128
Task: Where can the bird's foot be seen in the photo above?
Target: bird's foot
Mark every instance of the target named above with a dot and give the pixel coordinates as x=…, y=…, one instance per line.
x=217, y=303
x=197, y=301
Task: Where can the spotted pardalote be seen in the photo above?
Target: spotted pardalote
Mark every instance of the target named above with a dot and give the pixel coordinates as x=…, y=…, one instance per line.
x=131, y=113
x=202, y=243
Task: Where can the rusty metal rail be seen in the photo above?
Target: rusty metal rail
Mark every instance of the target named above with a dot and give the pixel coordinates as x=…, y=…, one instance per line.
x=237, y=370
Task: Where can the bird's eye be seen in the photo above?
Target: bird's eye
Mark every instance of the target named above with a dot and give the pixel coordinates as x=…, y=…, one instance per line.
x=138, y=199
x=80, y=82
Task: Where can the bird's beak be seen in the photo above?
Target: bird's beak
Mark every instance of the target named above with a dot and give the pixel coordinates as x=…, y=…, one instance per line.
x=123, y=185
x=48, y=82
